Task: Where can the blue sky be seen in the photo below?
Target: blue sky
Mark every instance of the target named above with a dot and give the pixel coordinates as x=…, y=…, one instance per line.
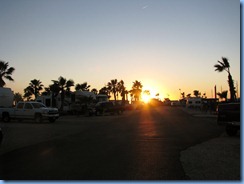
x=167, y=45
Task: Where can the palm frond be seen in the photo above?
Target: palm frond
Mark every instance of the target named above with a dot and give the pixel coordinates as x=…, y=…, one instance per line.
x=222, y=64
x=69, y=83
x=9, y=77
x=226, y=63
x=10, y=71
x=61, y=81
x=3, y=66
x=219, y=68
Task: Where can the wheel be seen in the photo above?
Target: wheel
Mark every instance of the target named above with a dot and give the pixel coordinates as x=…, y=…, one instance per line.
x=52, y=120
x=231, y=130
x=6, y=117
x=38, y=118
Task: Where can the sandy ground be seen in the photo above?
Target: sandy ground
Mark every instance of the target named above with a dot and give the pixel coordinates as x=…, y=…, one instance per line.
x=216, y=159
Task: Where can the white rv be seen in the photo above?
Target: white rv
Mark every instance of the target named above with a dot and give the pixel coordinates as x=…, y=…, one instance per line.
x=194, y=102
x=70, y=102
x=6, y=97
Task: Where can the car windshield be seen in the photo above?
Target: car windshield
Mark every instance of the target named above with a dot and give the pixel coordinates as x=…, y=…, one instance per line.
x=38, y=105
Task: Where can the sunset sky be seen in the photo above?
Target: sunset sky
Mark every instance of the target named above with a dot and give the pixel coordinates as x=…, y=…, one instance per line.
x=166, y=44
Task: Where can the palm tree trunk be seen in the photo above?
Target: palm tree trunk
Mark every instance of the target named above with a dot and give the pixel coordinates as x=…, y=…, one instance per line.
x=2, y=83
x=115, y=96
x=232, y=88
x=123, y=97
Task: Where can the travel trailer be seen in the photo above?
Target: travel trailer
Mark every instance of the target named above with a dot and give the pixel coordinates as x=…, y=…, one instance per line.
x=72, y=101
x=194, y=102
x=6, y=97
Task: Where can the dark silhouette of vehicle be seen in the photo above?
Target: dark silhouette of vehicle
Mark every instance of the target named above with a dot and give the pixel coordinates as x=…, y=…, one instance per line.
x=229, y=115
x=108, y=107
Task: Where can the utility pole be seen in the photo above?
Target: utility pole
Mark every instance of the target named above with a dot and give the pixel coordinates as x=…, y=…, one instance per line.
x=236, y=89
x=215, y=92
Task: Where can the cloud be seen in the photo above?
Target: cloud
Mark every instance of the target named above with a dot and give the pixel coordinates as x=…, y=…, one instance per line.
x=144, y=7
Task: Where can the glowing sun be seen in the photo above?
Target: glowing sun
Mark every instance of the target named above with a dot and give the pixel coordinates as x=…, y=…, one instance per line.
x=148, y=94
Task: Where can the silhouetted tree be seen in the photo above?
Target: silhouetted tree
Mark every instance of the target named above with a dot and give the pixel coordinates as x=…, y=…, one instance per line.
x=204, y=95
x=223, y=95
x=54, y=90
x=83, y=87
x=126, y=95
x=27, y=93
x=64, y=88
x=94, y=90
x=225, y=66
x=104, y=90
x=196, y=93
x=147, y=92
x=113, y=87
x=122, y=90
x=46, y=91
x=136, y=90
x=5, y=72
x=34, y=88
x=183, y=95
x=17, y=98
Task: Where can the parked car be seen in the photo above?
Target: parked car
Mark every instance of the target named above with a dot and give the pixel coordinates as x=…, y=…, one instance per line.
x=29, y=110
x=108, y=107
x=229, y=115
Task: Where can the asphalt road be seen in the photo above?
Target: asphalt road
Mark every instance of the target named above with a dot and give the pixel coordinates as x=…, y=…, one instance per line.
x=138, y=145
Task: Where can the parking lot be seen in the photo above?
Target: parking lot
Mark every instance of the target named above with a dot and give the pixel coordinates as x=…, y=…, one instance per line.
x=201, y=161
x=20, y=134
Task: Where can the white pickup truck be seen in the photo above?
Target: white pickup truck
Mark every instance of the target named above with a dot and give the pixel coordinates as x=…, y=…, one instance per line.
x=29, y=110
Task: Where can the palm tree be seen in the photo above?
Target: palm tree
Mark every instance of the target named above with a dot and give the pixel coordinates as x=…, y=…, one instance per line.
x=196, y=93
x=27, y=93
x=136, y=90
x=122, y=90
x=104, y=90
x=113, y=87
x=183, y=95
x=64, y=87
x=17, y=98
x=5, y=72
x=34, y=88
x=225, y=66
x=83, y=87
x=223, y=95
x=94, y=90
x=53, y=89
x=126, y=95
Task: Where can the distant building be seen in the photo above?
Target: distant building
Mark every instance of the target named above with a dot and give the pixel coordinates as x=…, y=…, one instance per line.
x=193, y=102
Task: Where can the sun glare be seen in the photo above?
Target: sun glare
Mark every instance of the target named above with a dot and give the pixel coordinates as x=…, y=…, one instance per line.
x=149, y=93
x=146, y=98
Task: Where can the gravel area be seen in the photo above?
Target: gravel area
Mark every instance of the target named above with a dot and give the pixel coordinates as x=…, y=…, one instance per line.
x=216, y=159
